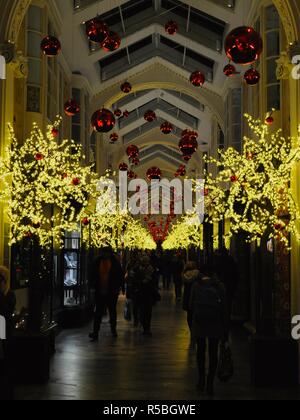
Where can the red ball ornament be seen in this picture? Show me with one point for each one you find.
(136, 161)
(71, 108)
(172, 27)
(96, 30)
(229, 70)
(123, 167)
(55, 132)
(126, 114)
(112, 42)
(85, 221)
(126, 87)
(269, 120)
(76, 182)
(132, 151)
(114, 137)
(181, 170)
(154, 173)
(118, 113)
(166, 128)
(150, 116)
(206, 192)
(252, 77)
(39, 156)
(50, 46)
(188, 146)
(243, 45)
(234, 178)
(187, 158)
(131, 175)
(103, 121)
(197, 79)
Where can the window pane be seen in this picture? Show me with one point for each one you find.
(76, 133)
(272, 18)
(34, 44)
(35, 18)
(274, 97)
(34, 74)
(271, 71)
(273, 44)
(33, 99)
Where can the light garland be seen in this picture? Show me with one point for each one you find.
(186, 233)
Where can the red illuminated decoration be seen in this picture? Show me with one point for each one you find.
(234, 178)
(112, 42)
(103, 121)
(123, 167)
(96, 30)
(55, 132)
(131, 175)
(150, 116)
(114, 137)
(39, 157)
(197, 79)
(166, 128)
(132, 151)
(269, 119)
(126, 87)
(154, 173)
(188, 147)
(252, 77)
(243, 45)
(171, 27)
(71, 108)
(229, 70)
(126, 114)
(50, 46)
(76, 182)
(136, 161)
(85, 221)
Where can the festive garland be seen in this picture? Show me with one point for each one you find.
(185, 233)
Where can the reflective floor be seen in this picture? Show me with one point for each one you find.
(136, 368)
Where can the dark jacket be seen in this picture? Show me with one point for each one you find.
(189, 277)
(177, 267)
(209, 307)
(7, 307)
(116, 275)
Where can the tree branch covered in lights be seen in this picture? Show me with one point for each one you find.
(185, 233)
(45, 185)
(252, 188)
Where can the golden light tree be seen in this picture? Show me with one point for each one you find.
(45, 185)
(251, 189)
(186, 233)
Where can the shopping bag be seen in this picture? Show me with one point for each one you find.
(226, 366)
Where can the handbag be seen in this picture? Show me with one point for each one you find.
(226, 366)
(127, 311)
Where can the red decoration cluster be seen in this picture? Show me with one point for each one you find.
(166, 128)
(123, 167)
(154, 173)
(103, 121)
(50, 46)
(150, 116)
(181, 171)
(126, 87)
(97, 31)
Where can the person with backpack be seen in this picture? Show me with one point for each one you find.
(210, 324)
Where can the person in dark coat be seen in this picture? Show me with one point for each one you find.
(108, 277)
(133, 286)
(166, 269)
(146, 294)
(190, 275)
(210, 324)
(177, 269)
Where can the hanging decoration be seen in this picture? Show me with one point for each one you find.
(114, 137)
(123, 167)
(269, 118)
(229, 70)
(166, 128)
(96, 30)
(136, 161)
(181, 171)
(243, 45)
(252, 77)
(154, 173)
(126, 87)
(118, 113)
(132, 152)
(172, 27)
(150, 116)
(71, 108)
(112, 42)
(188, 147)
(50, 46)
(126, 113)
(132, 175)
(197, 79)
(103, 121)
(55, 132)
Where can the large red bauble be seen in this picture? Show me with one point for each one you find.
(150, 116)
(188, 146)
(132, 151)
(197, 79)
(166, 128)
(50, 46)
(126, 87)
(112, 42)
(96, 30)
(114, 137)
(243, 45)
(123, 167)
(103, 120)
(172, 27)
(71, 108)
(154, 173)
(252, 77)
(229, 70)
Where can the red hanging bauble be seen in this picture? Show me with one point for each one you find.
(172, 27)
(182, 170)
(136, 161)
(166, 128)
(131, 175)
(243, 45)
(234, 178)
(114, 137)
(132, 151)
(112, 42)
(71, 108)
(75, 182)
(150, 116)
(187, 158)
(188, 146)
(126, 87)
(55, 132)
(96, 30)
(252, 77)
(197, 79)
(154, 173)
(39, 156)
(123, 167)
(118, 113)
(126, 114)
(103, 120)
(269, 119)
(85, 221)
(229, 70)
(50, 46)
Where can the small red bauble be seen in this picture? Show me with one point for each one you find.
(150, 116)
(103, 121)
(118, 113)
(132, 151)
(166, 128)
(229, 70)
(234, 178)
(55, 132)
(114, 137)
(206, 192)
(136, 161)
(269, 120)
(50, 46)
(123, 167)
(126, 114)
(85, 221)
(112, 42)
(39, 156)
(131, 175)
(172, 27)
(154, 173)
(71, 108)
(126, 87)
(243, 45)
(96, 30)
(252, 77)
(197, 79)
(76, 182)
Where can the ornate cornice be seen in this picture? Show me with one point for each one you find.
(288, 20)
(17, 15)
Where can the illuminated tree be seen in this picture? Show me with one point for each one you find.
(185, 233)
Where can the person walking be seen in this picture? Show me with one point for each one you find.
(108, 277)
(133, 286)
(146, 294)
(210, 324)
(177, 268)
(190, 275)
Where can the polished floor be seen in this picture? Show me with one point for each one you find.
(136, 368)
